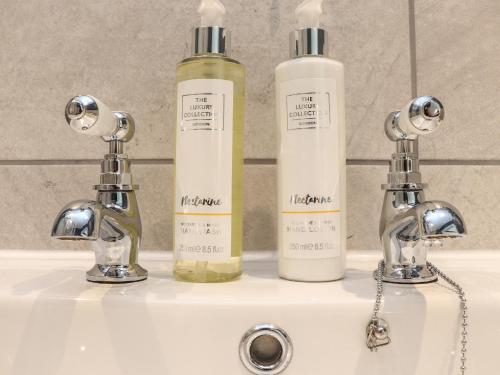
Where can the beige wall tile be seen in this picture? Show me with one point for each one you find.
(125, 52)
(472, 189)
(364, 204)
(458, 61)
(260, 204)
(377, 67)
(33, 195)
(372, 39)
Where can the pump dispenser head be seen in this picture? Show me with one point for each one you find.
(309, 39)
(210, 36)
(212, 13)
(308, 13)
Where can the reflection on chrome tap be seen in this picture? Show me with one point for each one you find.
(112, 220)
(409, 224)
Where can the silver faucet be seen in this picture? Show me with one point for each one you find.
(409, 224)
(113, 219)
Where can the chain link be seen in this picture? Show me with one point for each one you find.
(377, 331)
(372, 345)
(463, 303)
(380, 290)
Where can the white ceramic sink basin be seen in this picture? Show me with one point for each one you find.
(54, 322)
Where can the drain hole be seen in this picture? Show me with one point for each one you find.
(266, 351)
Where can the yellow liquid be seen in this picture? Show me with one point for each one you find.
(219, 67)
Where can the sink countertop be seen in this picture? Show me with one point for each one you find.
(52, 316)
(25, 272)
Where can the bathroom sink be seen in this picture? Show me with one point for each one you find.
(55, 322)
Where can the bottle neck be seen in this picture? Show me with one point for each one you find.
(311, 41)
(211, 40)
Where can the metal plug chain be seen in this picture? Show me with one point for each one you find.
(377, 331)
(463, 302)
(380, 289)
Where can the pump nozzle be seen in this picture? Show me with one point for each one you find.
(212, 13)
(308, 13)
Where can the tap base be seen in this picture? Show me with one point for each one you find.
(400, 278)
(116, 273)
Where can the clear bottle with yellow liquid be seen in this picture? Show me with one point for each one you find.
(208, 211)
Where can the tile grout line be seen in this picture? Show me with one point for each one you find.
(248, 162)
(413, 48)
(443, 162)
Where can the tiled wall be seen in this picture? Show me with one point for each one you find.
(125, 52)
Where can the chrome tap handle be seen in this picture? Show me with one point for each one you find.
(88, 115)
(421, 116)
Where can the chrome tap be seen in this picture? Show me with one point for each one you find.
(409, 224)
(113, 219)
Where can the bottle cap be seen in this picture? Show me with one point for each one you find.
(211, 39)
(211, 36)
(309, 39)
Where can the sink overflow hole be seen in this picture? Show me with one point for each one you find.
(266, 351)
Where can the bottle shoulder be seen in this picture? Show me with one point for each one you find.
(211, 67)
(310, 66)
(210, 59)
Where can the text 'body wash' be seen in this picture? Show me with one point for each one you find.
(209, 155)
(311, 170)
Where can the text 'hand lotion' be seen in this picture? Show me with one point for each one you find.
(312, 170)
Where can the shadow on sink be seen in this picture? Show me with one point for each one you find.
(405, 308)
(48, 337)
(51, 317)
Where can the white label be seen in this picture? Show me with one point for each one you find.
(203, 169)
(308, 110)
(203, 111)
(309, 169)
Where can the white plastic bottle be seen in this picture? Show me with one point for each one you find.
(312, 170)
